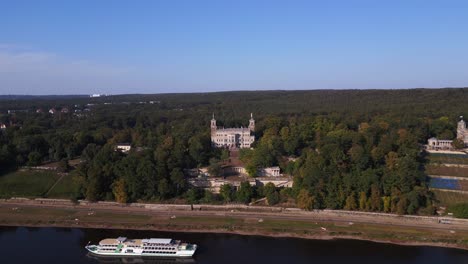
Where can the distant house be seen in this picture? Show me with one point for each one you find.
(123, 147)
(53, 111)
(64, 110)
(269, 172)
(2, 126)
(439, 144)
(39, 111)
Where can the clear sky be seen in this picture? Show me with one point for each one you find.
(83, 47)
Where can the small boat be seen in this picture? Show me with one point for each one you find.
(153, 247)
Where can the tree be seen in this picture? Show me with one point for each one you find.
(215, 167)
(63, 166)
(362, 201)
(304, 200)
(163, 188)
(350, 202)
(271, 193)
(208, 197)
(193, 195)
(89, 152)
(34, 158)
(376, 201)
(386, 203)
(402, 205)
(458, 143)
(226, 192)
(245, 192)
(120, 191)
(178, 180)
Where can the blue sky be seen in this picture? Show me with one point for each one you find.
(83, 47)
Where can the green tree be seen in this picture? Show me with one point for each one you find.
(271, 193)
(208, 197)
(163, 188)
(458, 143)
(304, 200)
(193, 195)
(215, 167)
(178, 180)
(376, 201)
(34, 158)
(226, 192)
(245, 192)
(63, 166)
(362, 201)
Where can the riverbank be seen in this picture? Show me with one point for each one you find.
(251, 233)
(307, 226)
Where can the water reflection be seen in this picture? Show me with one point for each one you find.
(135, 260)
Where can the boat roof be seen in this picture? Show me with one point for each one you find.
(137, 242)
(157, 240)
(119, 240)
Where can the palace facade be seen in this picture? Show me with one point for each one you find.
(242, 137)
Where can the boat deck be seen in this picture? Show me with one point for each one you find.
(128, 242)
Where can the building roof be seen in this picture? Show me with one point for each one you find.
(124, 144)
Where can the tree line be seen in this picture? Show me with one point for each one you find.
(355, 150)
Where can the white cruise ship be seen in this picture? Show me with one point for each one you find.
(153, 247)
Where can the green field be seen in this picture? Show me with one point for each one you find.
(26, 183)
(446, 171)
(439, 158)
(64, 188)
(449, 198)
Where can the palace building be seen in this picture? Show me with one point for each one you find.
(242, 137)
(440, 144)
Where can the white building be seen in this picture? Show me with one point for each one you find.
(123, 147)
(232, 137)
(269, 172)
(439, 144)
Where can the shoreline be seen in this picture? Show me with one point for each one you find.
(317, 225)
(245, 233)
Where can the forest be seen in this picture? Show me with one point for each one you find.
(345, 149)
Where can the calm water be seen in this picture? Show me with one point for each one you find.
(66, 245)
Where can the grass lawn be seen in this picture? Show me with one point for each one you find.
(64, 188)
(447, 158)
(26, 183)
(449, 198)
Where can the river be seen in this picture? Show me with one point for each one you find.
(66, 246)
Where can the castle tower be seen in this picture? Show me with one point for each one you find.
(462, 132)
(213, 125)
(251, 123)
